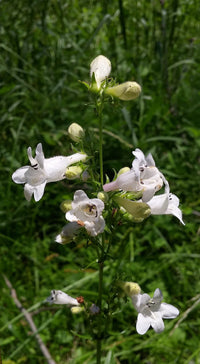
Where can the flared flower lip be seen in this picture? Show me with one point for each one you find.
(152, 311)
(87, 212)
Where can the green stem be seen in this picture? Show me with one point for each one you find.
(101, 266)
(99, 108)
(101, 148)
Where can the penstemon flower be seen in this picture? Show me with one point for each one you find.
(61, 298)
(43, 170)
(87, 212)
(101, 67)
(143, 176)
(166, 204)
(151, 312)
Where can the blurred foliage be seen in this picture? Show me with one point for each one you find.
(45, 49)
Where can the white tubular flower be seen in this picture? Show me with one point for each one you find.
(61, 298)
(68, 233)
(143, 176)
(42, 171)
(151, 312)
(87, 212)
(101, 67)
(166, 204)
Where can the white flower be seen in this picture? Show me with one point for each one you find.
(68, 233)
(101, 67)
(151, 312)
(165, 204)
(42, 171)
(61, 298)
(143, 176)
(87, 212)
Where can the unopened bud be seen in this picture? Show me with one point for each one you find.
(139, 210)
(103, 196)
(130, 288)
(76, 132)
(123, 170)
(66, 205)
(73, 172)
(101, 68)
(76, 310)
(125, 91)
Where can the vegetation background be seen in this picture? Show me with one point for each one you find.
(45, 49)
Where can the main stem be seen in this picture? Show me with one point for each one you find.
(99, 107)
(100, 143)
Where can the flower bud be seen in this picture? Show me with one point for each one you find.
(139, 210)
(66, 205)
(130, 288)
(125, 91)
(101, 67)
(76, 132)
(76, 310)
(73, 172)
(103, 196)
(123, 170)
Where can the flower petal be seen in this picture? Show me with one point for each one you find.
(143, 324)
(95, 228)
(19, 175)
(159, 204)
(101, 67)
(79, 196)
(150, 161)
(148, 194)
(40, 155)
(28, 191)
(173, 208)
(168, 311)
(157, 323)
(39, 191)
(158, 296)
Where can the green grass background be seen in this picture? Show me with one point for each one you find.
(45, 49)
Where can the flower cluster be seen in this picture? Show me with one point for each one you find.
(134, 189)
(145, 177)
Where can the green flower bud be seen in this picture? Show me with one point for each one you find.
(125, 91)
(123, 170)
(139, 210)
(66, 205)
(73, 172)
(76, 132)
(77, 309)
(103, 196)
(130, 288)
